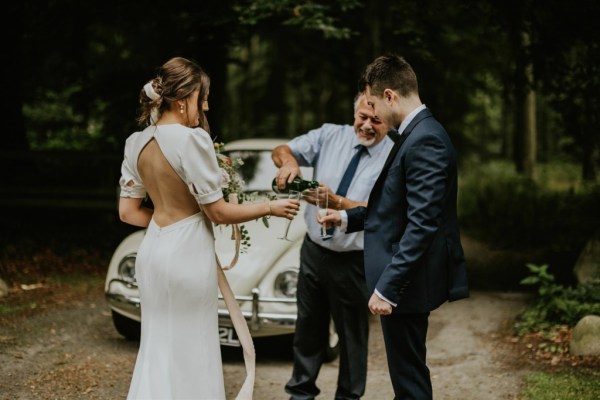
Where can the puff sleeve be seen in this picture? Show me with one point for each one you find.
(130, 182)
(200, 169)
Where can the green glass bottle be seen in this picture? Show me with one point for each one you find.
(298, 184)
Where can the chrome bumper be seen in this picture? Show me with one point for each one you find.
(124, 297)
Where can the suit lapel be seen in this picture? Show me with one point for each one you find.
(399, 141)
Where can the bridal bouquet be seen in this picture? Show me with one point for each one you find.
(231, 180)
(231, 185)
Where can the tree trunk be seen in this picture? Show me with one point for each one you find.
(508, 123)
(525, 144)
(529, 126)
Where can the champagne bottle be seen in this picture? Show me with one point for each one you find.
(298, 184)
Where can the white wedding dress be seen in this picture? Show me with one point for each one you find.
(179, 355)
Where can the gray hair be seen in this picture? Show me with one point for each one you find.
(357, 100)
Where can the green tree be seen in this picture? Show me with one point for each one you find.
(567, 48)
(283, 67)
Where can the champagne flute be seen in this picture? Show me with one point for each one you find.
(322, 205)
(295, 195)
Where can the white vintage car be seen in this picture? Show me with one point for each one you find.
(264, 278)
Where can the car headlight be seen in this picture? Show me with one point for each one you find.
(286, 284)
(127, 268)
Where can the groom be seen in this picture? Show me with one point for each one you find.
(414, 260)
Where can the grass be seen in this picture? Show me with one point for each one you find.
(562, 386)
(78, 281)
(55, 290)
(11, 310)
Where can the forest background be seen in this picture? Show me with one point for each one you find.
(515, 83)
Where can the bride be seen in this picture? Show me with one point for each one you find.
(173, 161)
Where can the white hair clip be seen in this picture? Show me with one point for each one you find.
(154, 116)
(150, 92)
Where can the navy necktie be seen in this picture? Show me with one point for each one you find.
(348, 175)
(350, 171)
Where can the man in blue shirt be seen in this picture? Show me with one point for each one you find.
(331, 281)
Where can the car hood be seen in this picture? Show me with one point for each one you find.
(263, 253)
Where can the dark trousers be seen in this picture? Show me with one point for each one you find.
(330, 285)
(404, 336)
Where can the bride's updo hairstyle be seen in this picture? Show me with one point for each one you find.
(176, 80)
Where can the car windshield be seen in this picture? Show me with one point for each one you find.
(259, 170)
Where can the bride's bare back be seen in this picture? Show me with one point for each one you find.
(170, 195)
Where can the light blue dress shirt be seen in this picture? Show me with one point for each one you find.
(328, 150)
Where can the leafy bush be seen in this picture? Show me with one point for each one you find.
(511, 211)
(556, 304)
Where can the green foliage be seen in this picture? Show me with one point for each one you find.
(55, 123)
(555, 211)
(485, 118)
(244, 238)
(308, 15)
(563, 386)
(556, 304)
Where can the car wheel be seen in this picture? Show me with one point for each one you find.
(333, 345)
(127, 327)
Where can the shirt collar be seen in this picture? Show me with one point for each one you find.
(409, 118)
(371, 150)
(377, 148)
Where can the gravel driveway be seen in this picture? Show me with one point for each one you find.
(74, 353)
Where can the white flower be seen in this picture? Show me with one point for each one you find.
(225, 179)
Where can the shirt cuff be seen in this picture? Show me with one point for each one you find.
(384, 299)
(344, 221)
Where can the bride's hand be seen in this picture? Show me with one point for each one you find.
(286, 208)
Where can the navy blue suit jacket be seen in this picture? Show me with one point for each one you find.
(413, 254)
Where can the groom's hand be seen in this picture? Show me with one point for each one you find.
(332, 218)
(378, 306)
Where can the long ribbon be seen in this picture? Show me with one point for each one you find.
(237, 318)
(243, 333)
(237, 236)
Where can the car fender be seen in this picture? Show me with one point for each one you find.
(129, 245)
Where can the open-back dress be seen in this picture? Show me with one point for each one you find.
(179, 355)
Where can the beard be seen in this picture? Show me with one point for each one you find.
(367, 142)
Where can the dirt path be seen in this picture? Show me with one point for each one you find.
(75, 353)
(464, 361)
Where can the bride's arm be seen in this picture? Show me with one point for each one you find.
(132, 212)
(222, 212)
